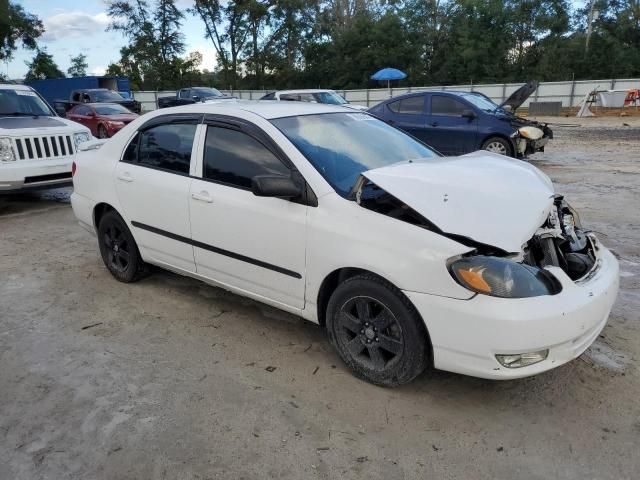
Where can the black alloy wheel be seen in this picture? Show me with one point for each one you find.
(119, 249)
(377, 331)
(370, 332)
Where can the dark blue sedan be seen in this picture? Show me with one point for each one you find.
(455, 123)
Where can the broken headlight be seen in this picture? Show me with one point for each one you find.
(532, 133)
(500, 277)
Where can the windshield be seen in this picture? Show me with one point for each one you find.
(206, 92)
(106, 96)
(22, 102)
(111, 109)
(343, 145)
(331, 98)
(481, 102)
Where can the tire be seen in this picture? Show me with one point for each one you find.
(377, 331)
(119, 250)
(102, 132)
(498, 145)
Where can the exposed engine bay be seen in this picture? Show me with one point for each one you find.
(561, 242)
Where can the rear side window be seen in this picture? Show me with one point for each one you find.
(410, 106)
(234, 158)
(447, 106)
(269, 96)
(166, 147)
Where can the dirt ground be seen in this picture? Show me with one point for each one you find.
(173, 379)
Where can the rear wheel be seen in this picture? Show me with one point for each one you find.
(102, 132)
(498, 145)
(377, 331)
(119, 250)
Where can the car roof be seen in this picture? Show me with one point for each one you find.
(306, 90)
(263, 108)
(457, 93)
(99, 104)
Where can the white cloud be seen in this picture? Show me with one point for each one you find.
(74, 24)
(99, 70)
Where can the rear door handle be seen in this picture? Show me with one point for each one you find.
(125, 177)
(391, 122)
(202, 197)
(434, 124)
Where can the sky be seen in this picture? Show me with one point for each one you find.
(78, 26)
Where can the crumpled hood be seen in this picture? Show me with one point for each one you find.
(484, 196)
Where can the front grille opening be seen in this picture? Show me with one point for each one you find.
(47, 178)
(29, 149)
(20, 149)
(36, 142)
(54, 145)
(69, 145)
(45, 144)
(62, 149)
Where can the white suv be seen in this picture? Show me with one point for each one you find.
(469, 264)
(37, 147)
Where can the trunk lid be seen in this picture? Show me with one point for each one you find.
(484, 196)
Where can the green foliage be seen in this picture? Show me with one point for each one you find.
(43, 67)
(17, 27)
(78, 66)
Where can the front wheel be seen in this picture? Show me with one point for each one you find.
(377, 331)
(102, 132)
(498, 145)
(119, 250)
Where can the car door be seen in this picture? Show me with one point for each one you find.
(254, 244)
(80, 114)
(408, 114)
(447, 129)
(153, 182)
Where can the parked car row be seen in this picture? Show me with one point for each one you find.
(470, 264)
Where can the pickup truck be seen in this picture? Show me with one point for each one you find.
(94, 95)
(191, 95)
(37, 147)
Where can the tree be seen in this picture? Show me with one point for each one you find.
(155, 40)
(43, 67)
(17, 27)
(78, 66)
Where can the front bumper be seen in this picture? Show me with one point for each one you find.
(33, 174)
(467, 334)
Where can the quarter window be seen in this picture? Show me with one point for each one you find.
(234, 158)
(447, 106)
(410, 105)
(167, 147)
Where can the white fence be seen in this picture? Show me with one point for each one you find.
(570, 93)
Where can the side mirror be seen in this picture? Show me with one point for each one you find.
(91, 114)
(279, 186)
(60, 110)
(196, 98)
(470, 114)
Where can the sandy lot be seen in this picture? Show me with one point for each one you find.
(169, 378)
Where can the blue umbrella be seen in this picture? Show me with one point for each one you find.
(389, 74)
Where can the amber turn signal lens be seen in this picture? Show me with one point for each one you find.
(475, 280)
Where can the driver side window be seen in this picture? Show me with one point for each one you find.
(232, 157)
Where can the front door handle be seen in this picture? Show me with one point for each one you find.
(125, 177)
(391, 122)
(434, 124)
(202, 197)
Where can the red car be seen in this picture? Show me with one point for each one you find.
(103, 119)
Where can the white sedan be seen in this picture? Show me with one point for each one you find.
(328, 97)
(468, 264)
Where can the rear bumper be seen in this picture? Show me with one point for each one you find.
(29, 175)
(467, 334)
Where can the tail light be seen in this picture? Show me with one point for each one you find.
(73, 169)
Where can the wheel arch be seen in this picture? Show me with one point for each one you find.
(98, 212)
(336, 277)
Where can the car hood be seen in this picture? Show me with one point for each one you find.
(483, 196)
(517, 98)
(20, 126)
